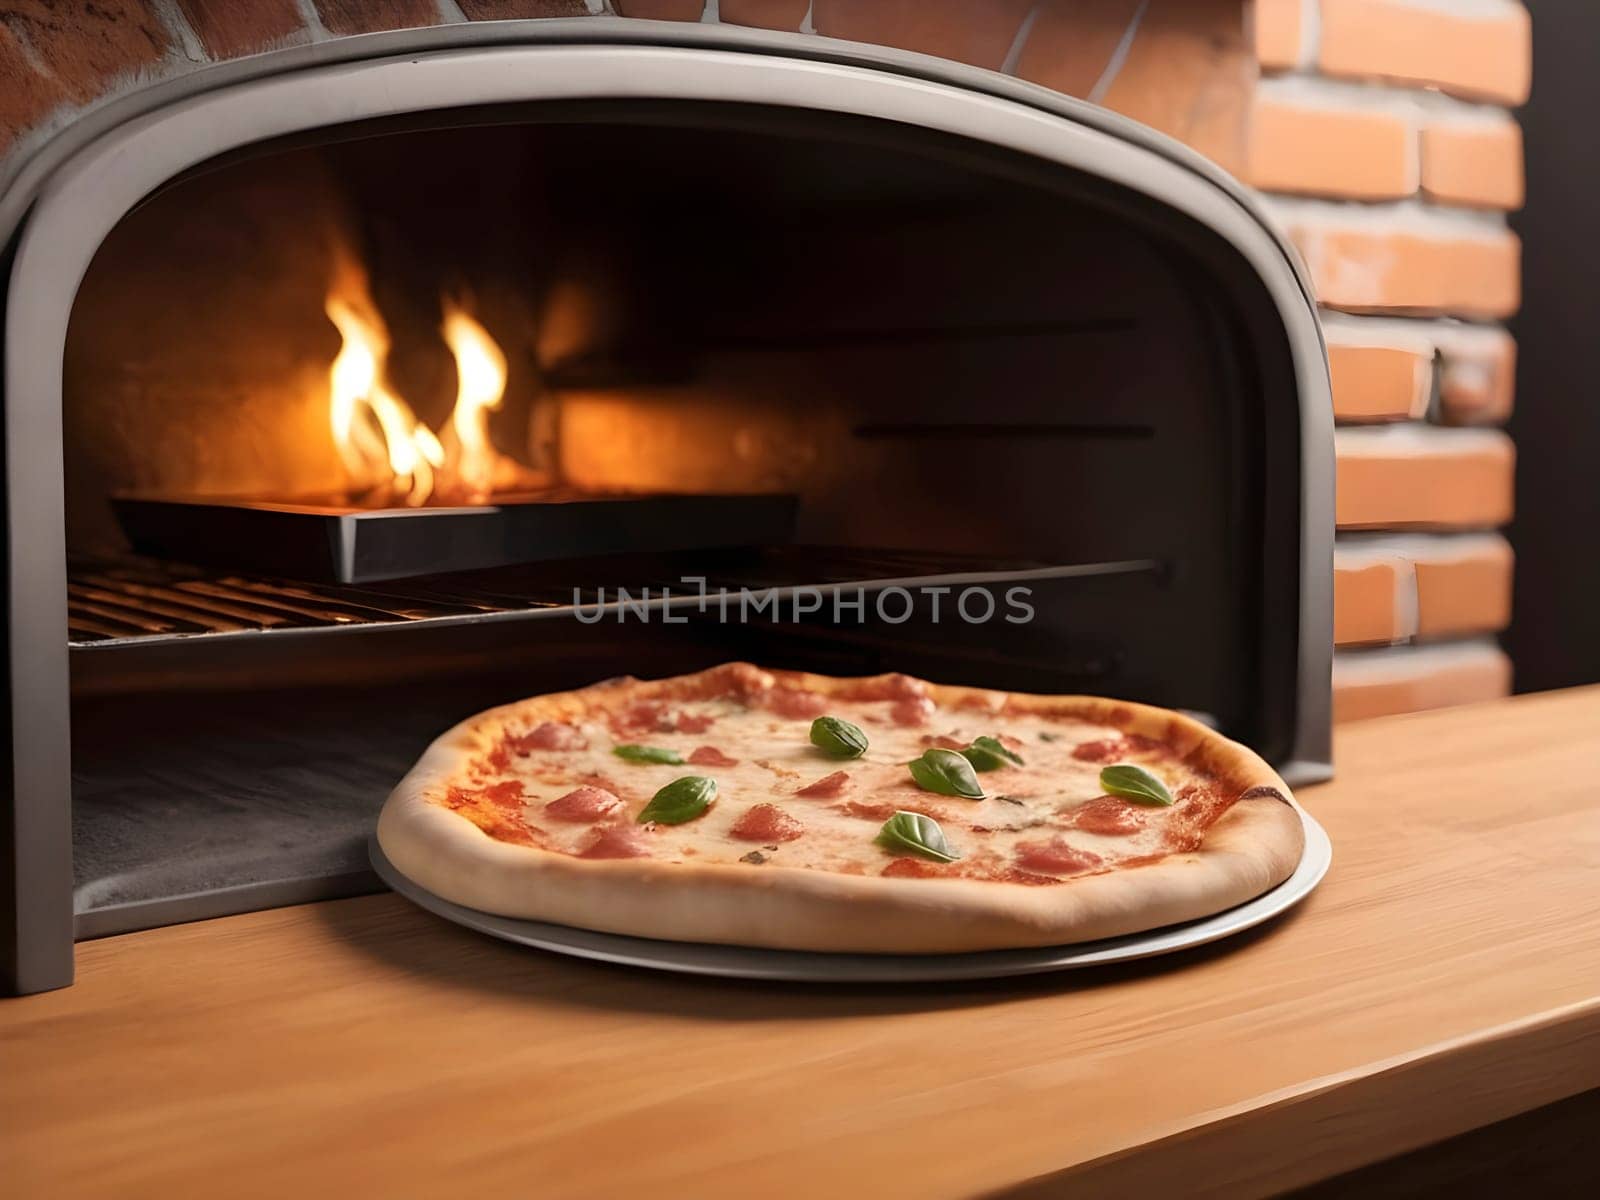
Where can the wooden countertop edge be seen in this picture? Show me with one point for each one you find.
(1276, 1143)
(1443, 979)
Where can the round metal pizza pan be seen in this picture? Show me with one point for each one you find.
(794, 966)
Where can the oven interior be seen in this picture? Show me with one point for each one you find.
(955, 368)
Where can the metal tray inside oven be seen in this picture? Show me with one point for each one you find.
(349, 545)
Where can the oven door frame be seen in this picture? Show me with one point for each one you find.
(65, 199)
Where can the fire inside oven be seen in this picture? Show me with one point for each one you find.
(366, 435)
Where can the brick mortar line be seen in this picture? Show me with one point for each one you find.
(1019, 40)
(1119, 56)
(1362, 547)
(1423, 435)
(1467, 10)
(1423, 207)
(1445, 650)
(1439, 323)
(1310, 34)
(1323, 93)
(312, 20)
(180, 31)
(1411, 214)
(1423, 428)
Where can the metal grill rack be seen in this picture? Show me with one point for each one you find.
(120, 602)
(237, 733)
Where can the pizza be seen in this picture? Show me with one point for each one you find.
(805, 812)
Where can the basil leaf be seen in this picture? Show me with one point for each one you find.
(1134, 783)
(990, 754)
(946, 772)
(995, 746)
(915, 833)
(681, 800)
(838, 739)
(649, 754)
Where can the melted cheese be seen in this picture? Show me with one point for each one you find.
(1027, 807)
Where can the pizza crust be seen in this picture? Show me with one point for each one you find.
(1253, 847)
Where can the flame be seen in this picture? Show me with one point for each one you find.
(481, 385)
(387, 452)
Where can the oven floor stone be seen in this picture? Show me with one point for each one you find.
(185, 811)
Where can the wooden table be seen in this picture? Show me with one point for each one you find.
(1446, 975)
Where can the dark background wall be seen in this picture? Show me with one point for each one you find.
(1554, 638)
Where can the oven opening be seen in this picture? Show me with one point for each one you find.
(369, 434)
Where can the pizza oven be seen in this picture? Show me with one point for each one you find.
(347, 393)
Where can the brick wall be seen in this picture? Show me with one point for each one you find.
(1381, 134)
(1379, 131)
(1183, 66)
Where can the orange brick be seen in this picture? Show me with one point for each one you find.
(368, 16)
(1359, 153)
(960, 30)
(661, 10)
(53, 54)
(231, 30)
(1191, 74)
(765, 14)
(1477, 374)
(1473, 162)
(1378, 383)
(1464, 590)
(1370, 264)
(1278, 33)
(1188, 71)
(1423, 478)
(1368, 600)
(1069, 46)
(506, 10)
(1482, 49)
(1375, 683)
